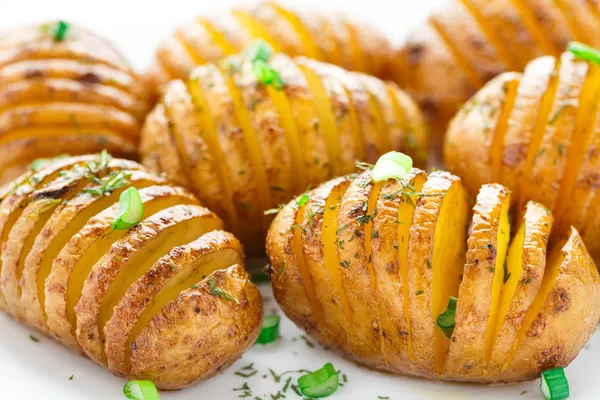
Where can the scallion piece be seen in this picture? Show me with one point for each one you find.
(131, 210)
(392, 165)
(270, 330)
(320, 383)
(60, 31)
(140, 390)
(266, 74)
(258, 50)
(554, 384)
(584, 52)
(447, 319)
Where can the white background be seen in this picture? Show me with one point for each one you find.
(40, 370)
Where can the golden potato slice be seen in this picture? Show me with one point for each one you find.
(370, 49)
(225, 32)
(319, 249)
(62, 225)
(525, 268)
(128, 259)
(478, 130)
(550, 160)
(581, 20)
(161, 353)
(173, 273)
(391, 226)
(562, 317)
(436, 256)
(287, 268)
(546, 24)
(198, 159)
(482, 282)
(71, 267)
(338, 37)
(355, 231)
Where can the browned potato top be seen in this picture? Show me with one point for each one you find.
(137, 300)
(369, 270)
(244, 146)
(295, 32)
(538, 134)
(64, 89)
(465, 43)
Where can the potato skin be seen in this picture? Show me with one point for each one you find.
(244, 147)
(77, 95)
(565, 319)
(367, 43)
(482, 39)
(549, 152)
(39, 213)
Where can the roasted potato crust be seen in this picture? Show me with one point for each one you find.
(65, 271)
(276, 141)
(517, 314)
(548, 145)
(78, 90)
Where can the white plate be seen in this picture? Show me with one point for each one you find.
(32, 370)
(41, 370)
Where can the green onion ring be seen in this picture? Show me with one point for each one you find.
(140, 390)
(321, 383)
(392, 165)
(131, 210)
(270, 330)
(584, 52)
(554, 384)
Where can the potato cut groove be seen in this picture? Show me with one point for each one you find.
(310, 47)
(530, 20)
(256, 29)
(218, 37)
(192, 54)
(501, 127)
(138, 255)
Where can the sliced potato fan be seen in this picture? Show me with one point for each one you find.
(247, 134)
(538, 137)
(73, 86)
(70, 271)
(394, 276)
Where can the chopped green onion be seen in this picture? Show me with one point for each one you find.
(258, 50)
(39, 163)
(140, 390)
(60, 31)
(131, 210)
(302, 200)
(584, 52)
(392, 165)
(266, 74)
(554, 385)
(270, 330)
(447, 319)
(320, 383)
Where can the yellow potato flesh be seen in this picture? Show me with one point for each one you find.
(405, 217)
(514, 267)
(189, 275)
(534, 27)
(446, 267)
(303, 270)
(498, 279)
(309, 45)
(193, 54)
(282, 105)
(383, 139)
(174, 236)
(255, 29)
(218, 37)
(211, 138)
(74, 226)
(578, 149)
(550, 274)
(329, 241)
(497, 148)
(98, 249)
(357, 132)
(252, 143)
(327, 120)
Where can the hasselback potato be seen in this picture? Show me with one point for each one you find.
(465, 43)
(538, 134)
(64, 90)
(244, 146)
(331, 38)
(369, 269)
(167, 299)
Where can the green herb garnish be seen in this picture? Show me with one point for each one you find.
(216, 291)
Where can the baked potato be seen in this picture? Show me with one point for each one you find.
(332, 38)
(538, 134)
(166, 300)
(64, 90)
(369, 269)
(464, 44)
(244, 147)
